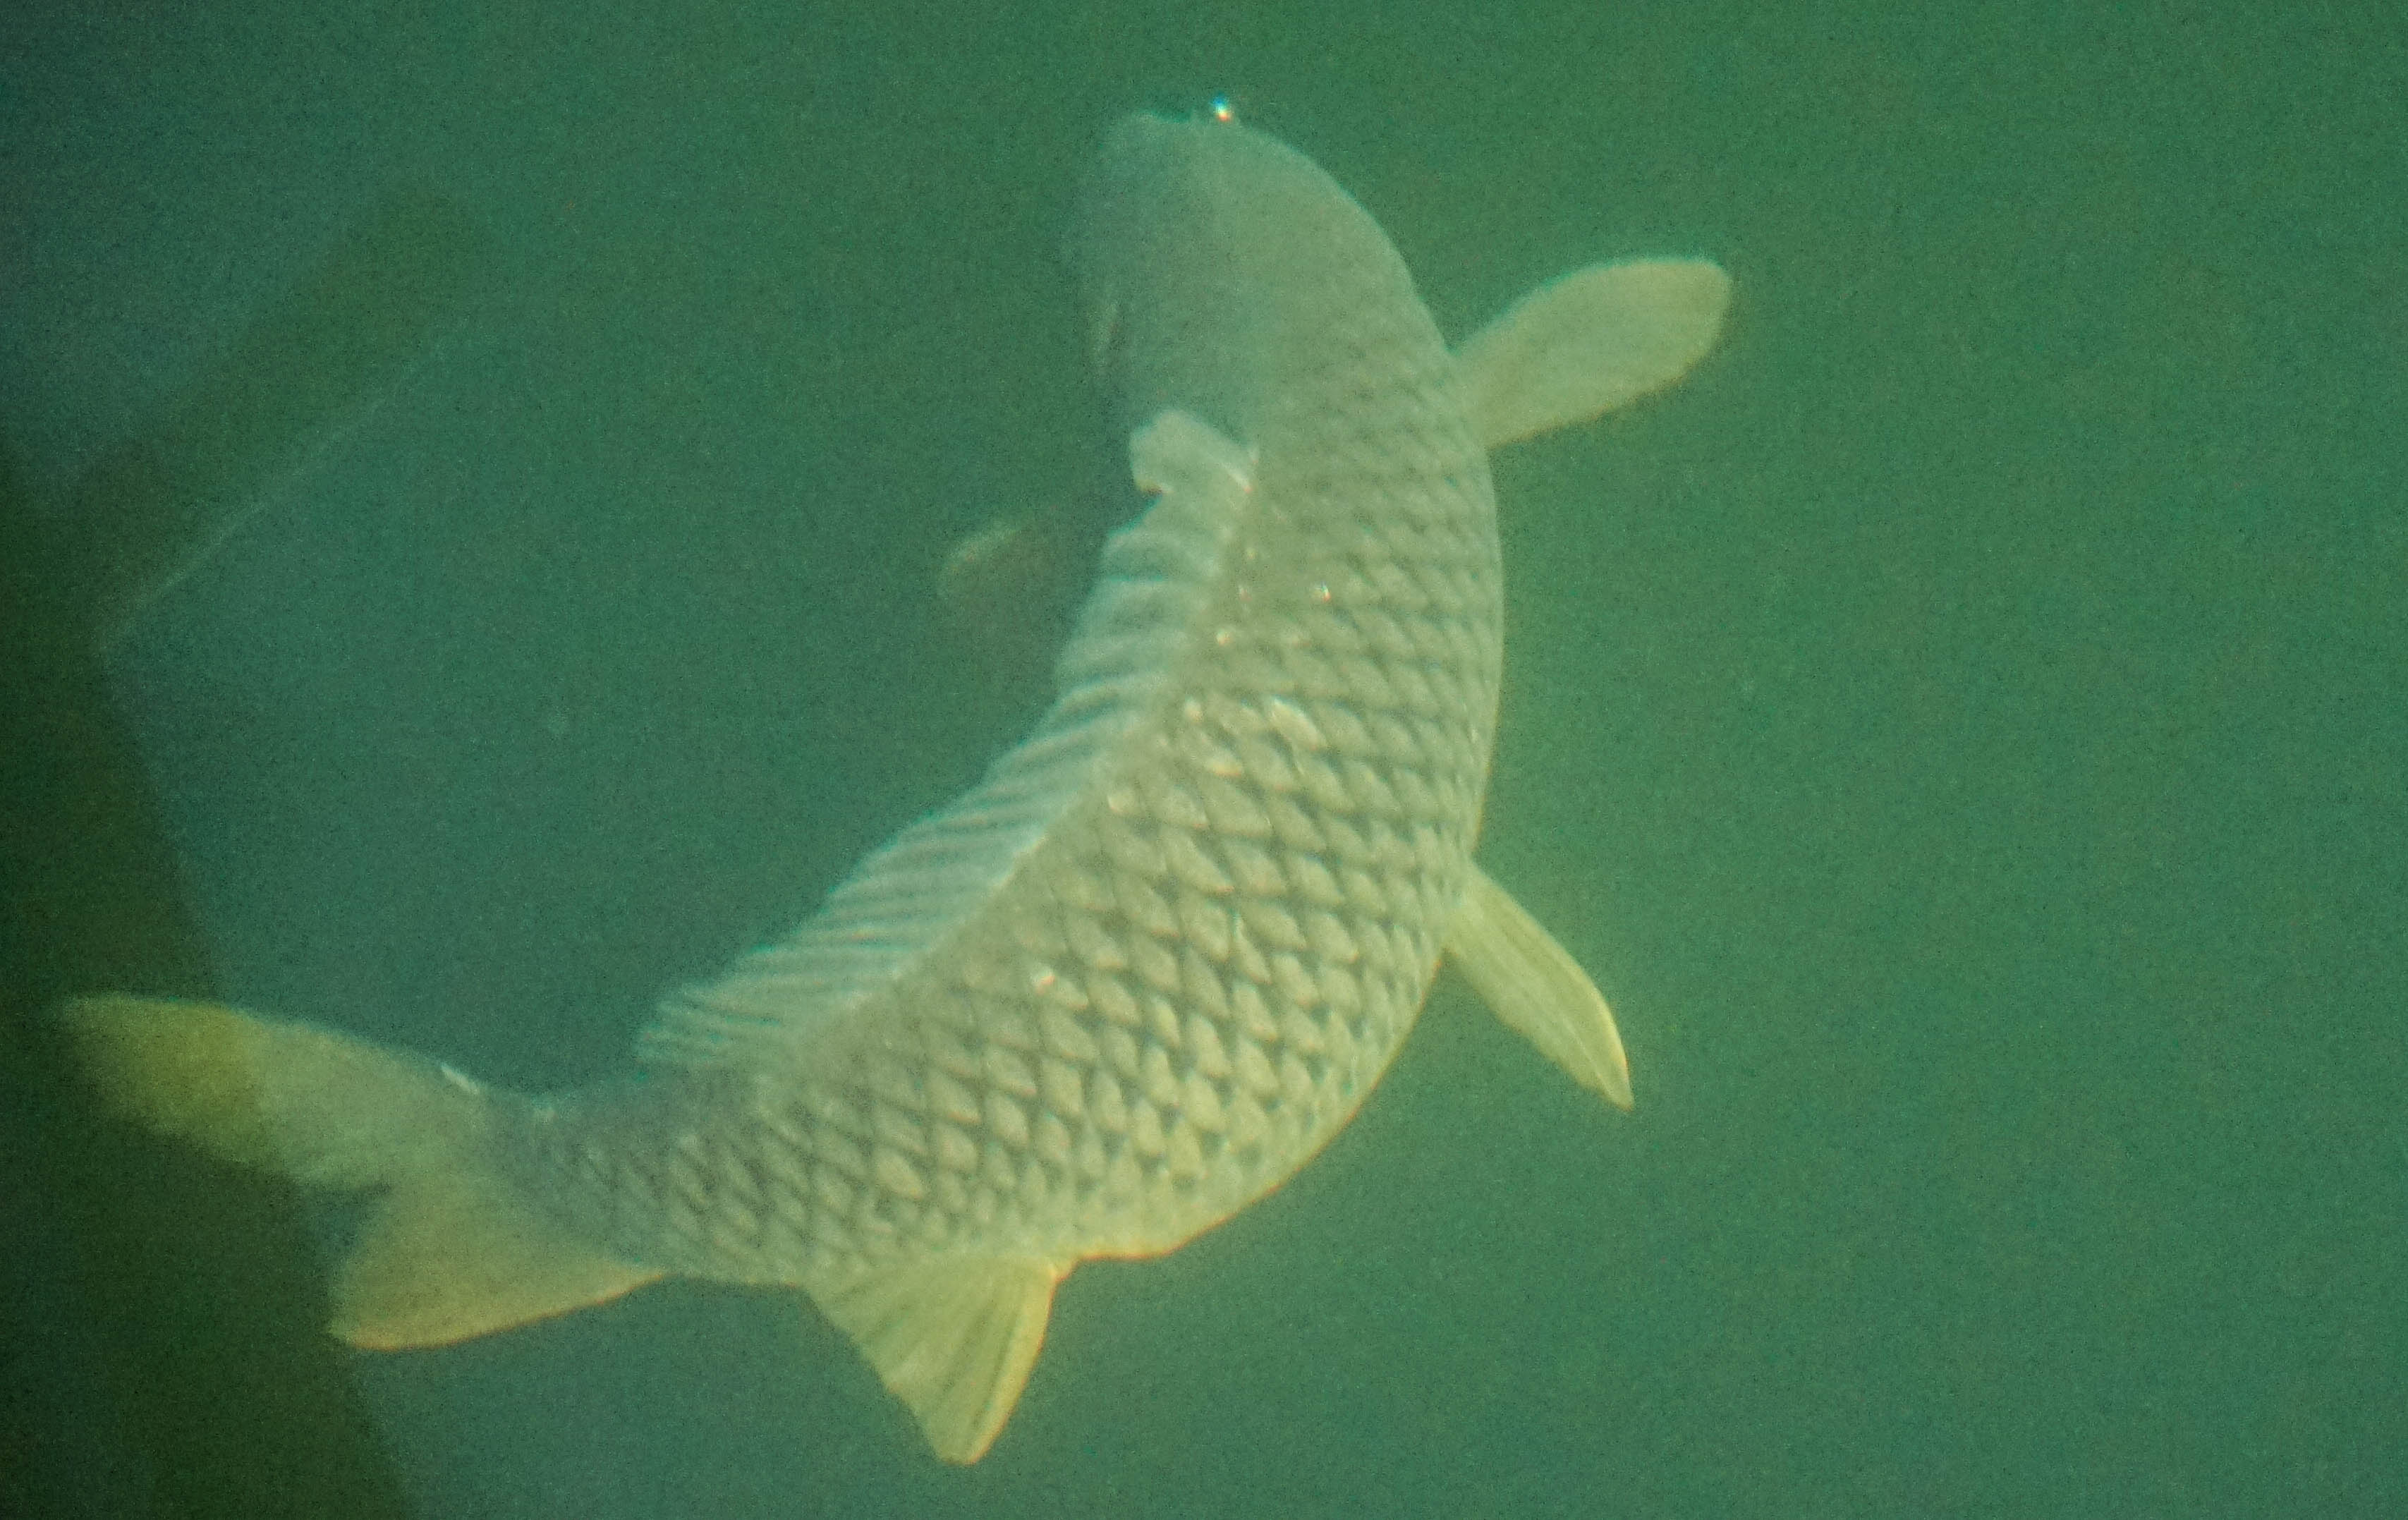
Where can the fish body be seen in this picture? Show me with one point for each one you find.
(1127, 985)
(1139, 974)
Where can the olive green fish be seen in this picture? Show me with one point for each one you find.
(1142, 972)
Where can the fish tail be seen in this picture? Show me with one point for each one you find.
(449, 1247)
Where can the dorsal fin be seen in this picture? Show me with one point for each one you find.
(1158, 574)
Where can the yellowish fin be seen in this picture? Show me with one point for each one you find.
(1590, 341)
(953, 1337)
(1535, 986)
(450, 1248)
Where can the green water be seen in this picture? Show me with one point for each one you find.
(1960, 728)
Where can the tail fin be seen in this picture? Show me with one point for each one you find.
(450, 1250)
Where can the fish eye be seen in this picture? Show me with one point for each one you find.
(1222, 111)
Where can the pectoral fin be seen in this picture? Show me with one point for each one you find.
(1531, 983)
(1591, 341)
(953, 1339)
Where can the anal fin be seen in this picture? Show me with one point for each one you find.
(1531, 983)
(954, 1338)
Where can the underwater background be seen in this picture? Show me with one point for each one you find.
(1961, 729)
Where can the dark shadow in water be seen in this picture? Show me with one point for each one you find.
(163, 1317)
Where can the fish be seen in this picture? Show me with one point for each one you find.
(1141, 971)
